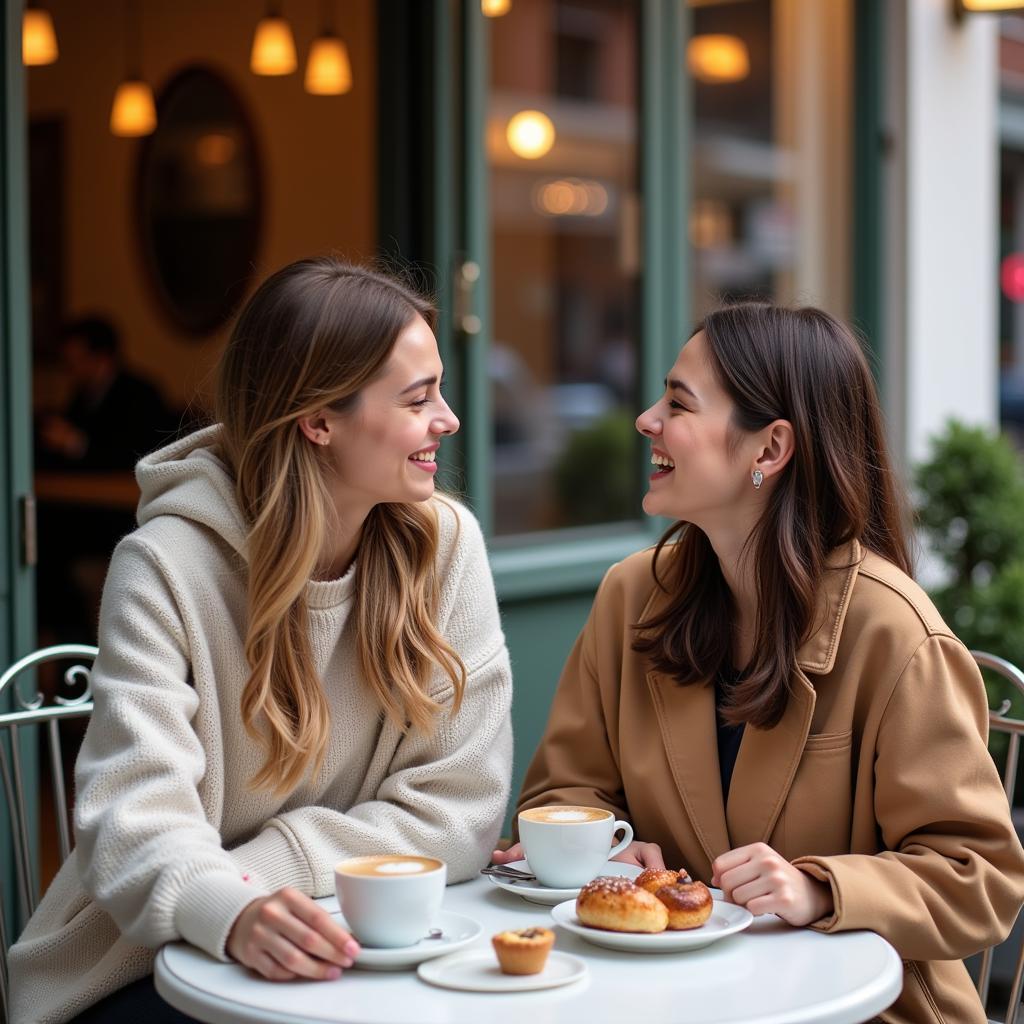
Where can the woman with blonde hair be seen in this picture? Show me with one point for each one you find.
(767, 695)
(300, 660)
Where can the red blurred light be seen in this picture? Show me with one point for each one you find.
(1011, 277)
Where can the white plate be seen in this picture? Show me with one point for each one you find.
(457, 931)
(726, 919)
(537, 893)
(477, 970)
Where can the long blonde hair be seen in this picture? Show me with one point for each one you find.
(312, 337)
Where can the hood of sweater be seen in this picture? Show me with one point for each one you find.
(188, 479)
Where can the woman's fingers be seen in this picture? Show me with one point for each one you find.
(314, 930)
(756, 887)
(514, 852)
(644, 855)
(293, 959)
(268, 967)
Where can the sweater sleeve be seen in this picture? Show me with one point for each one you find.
(147, 853)
(444, 794)
(951, 879)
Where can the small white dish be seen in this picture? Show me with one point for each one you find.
(477, 970)
(456, 931)
(537, 893)
(726, 919)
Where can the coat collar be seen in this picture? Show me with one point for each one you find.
(768, 758)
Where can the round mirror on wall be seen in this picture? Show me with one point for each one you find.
(200, 200)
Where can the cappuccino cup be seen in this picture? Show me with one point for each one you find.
(567, 846)
(390, 901)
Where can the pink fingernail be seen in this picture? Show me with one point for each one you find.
(334, 973)
(352, 948)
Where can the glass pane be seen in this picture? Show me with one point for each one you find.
(770, 214)
(562, 126)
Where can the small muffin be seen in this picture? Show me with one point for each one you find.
(524, 951)
(689, 905)
(617, 905)
(652, 879)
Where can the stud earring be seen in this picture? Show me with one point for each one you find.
(758, 477)
(325, 440)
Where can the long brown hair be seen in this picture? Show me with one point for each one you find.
(312, 336)
(804, 366)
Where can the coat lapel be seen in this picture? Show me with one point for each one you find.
(768, 758)
(686, 715)
(766, 765)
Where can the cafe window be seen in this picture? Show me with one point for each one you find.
(768, 124)
(770, 210)
(563, 161)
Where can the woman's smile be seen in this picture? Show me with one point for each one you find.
(424, 458)
(663, 462)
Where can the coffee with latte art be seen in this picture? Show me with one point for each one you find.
(565, 815)
(389, 867)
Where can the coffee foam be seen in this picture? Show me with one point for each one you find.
(400, 867)
(565, 815)
(389, 866)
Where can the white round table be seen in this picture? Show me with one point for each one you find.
(769, 974)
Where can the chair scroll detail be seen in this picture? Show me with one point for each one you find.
(999, 721)
(33, 711)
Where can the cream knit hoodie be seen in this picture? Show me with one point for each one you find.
(171, 841)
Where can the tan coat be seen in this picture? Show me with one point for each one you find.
(876, 780)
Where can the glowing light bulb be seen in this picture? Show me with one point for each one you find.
(717, 59)
(134, 112)
(328, 70)
(38, 38)
(530, 134)
(273, 48)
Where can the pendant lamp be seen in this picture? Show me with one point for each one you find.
(328, 70)
(133, 113)
(273, 46)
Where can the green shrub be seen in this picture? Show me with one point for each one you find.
(970, 507)
(596, 476)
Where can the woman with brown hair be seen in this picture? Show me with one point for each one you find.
(300, 660)
(767, 695)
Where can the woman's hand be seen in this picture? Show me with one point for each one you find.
(287, 935)
(645, 855)
(514, 852)
(758, 878)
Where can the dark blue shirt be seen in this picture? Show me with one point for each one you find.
(729, 736)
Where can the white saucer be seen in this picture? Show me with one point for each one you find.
(477, 970)
(537, 893)
(457, 931)
(726, 919)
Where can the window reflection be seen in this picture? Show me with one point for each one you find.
(563, 159)
(770, 210)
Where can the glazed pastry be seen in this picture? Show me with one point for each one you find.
(689, 904)
(617, 905)
(652, 879)
(524, 951)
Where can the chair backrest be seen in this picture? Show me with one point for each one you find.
(34, 712)
(1012, 727)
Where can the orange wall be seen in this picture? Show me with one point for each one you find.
(318, 156)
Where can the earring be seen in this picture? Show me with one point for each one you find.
(758, 477)
(325, 440)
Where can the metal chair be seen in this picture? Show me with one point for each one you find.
(1013, 728)
(33, 712)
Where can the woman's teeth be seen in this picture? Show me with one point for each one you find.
(423, 456)
(661, 460)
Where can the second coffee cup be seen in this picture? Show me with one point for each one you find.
(567, 846)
